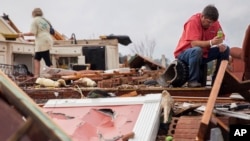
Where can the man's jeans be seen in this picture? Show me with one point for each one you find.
(193, 57)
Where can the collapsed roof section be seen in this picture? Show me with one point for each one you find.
(138, 61)
(8, 29)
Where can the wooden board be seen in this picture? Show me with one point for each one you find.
(211, 101)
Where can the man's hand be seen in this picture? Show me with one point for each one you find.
(217, 40)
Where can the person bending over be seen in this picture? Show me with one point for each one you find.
(200, 44)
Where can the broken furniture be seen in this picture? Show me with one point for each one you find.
(237, 78)
(241, 58)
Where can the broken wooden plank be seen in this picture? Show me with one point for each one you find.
(211, 101)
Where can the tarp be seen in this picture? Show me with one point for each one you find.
(122, 39)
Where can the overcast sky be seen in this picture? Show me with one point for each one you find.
(158, 20)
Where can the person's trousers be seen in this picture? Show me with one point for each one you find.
(193, 57)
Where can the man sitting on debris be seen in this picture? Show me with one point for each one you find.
(200, 44)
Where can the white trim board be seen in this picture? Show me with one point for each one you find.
(148, 121)
(150, 98)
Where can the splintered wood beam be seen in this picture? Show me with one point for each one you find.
(211, 101)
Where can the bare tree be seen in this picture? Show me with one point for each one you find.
(144, 48)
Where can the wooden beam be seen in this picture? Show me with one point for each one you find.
(211, 101)
(28, 107)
